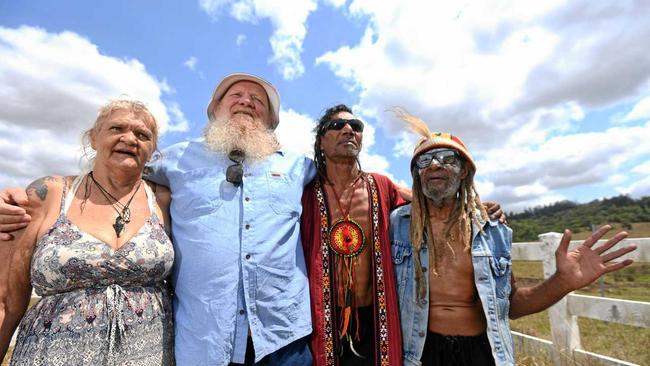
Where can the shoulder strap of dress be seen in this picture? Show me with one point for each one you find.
(68, 196)
(151, 197)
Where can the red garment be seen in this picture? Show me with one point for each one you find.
(384, 197)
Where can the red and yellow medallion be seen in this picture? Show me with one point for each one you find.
(346, 237)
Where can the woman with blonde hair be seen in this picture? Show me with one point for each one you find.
(98, 254)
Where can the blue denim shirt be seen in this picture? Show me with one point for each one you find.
(239, 263)
(492, 276)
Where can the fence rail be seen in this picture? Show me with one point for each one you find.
(565, 347)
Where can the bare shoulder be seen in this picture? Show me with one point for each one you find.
(162, 193)
(44, 190)
(163, 200)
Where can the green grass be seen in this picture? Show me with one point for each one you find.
(615, 340)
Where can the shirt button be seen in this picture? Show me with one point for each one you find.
(247, 226)
(241, 311)
(248, 256)
(247, 199)
(423, 302)
(424, 269)
(421, 334)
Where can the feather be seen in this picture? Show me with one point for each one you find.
(415, 124)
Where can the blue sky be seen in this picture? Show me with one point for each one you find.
(552, 98)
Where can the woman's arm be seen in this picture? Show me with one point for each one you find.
(15, 259)
(163, 199)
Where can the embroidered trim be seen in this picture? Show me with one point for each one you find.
(380, 294)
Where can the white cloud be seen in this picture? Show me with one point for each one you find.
(643, 168)
(639, 188)
(190, 63)
(295, 132)
(640, 111)
(515, 80)
(49, 98)
(241, 38)
(288, 19)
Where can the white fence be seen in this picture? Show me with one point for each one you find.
(565, 348)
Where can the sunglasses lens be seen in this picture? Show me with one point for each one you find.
(423, 161)
(443, 157)
(337, 124)
(357, 126)
(234, 174)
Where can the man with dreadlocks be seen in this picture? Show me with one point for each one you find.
(453, 265)
(345, 238)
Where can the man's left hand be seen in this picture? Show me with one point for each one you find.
(585, 264)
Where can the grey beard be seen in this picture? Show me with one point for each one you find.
(253, 138)
(440, 197)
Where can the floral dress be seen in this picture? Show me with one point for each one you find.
(99, 306)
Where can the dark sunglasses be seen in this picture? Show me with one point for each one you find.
(235, 172)
(442, 157)
(337, 124)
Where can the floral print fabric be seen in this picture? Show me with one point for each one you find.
(99, 306)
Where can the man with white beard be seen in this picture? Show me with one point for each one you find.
(240, 286)
(241, 290)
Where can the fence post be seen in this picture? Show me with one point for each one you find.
(564, 327)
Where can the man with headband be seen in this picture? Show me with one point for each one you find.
(453, 265)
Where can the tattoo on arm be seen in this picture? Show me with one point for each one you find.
(39, 187)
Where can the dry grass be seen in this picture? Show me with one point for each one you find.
(615, 340)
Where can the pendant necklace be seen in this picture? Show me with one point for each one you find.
(346, 236)
(123, 211)
(347, 240)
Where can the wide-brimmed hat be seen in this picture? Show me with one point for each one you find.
(228, 81)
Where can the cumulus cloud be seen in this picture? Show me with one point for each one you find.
(190, 63)
(288, 19)
(640, 111)
(516, 81)
(49, 98)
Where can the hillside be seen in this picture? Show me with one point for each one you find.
(622, 212)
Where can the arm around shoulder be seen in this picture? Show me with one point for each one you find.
(15, 258)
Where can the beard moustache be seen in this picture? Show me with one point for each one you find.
(224, 135)
(439, 197)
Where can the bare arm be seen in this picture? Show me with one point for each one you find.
(164, 199)
(15, 259)
(12, 215)
(575, 269)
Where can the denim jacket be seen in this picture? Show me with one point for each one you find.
(492, 276)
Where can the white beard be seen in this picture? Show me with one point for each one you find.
(241, 133)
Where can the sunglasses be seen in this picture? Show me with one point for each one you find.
(442, 157)
(235, 172)
(337, 124)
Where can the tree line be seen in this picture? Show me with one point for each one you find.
(527, 225)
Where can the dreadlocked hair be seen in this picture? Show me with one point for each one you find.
(467, 207)
(320, 130)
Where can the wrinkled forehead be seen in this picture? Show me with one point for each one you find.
(142, 116)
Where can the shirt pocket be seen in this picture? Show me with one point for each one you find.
(401, 253)
(284, 195)
(501, 266)
(198, 194)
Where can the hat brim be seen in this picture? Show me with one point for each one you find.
(228, 81)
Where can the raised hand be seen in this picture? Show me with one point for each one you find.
(585, 264)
